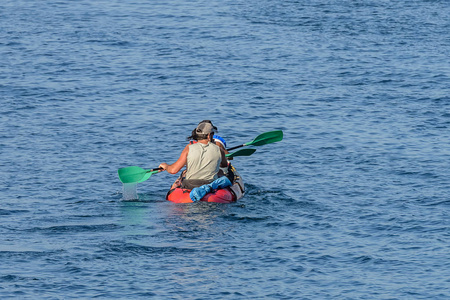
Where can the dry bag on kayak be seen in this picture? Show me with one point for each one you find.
(199, 192)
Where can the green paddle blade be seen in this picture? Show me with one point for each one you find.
(135, 174)
(242, 152)
(131, 174)
(147, 175)
(266, 138)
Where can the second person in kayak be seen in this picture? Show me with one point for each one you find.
(203, 158)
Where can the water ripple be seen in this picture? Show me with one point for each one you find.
(351, 203)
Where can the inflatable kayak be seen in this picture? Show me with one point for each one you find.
(226, 195)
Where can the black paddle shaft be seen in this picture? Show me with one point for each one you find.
(232, 148)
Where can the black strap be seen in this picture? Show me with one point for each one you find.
(193, 183)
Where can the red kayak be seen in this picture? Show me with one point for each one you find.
(225, 195)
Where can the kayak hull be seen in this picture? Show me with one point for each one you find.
(227, 195)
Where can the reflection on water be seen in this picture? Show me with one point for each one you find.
(198, 217)
(133, 213)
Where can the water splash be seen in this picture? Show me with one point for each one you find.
(130, 191)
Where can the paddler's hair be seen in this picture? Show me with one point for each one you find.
(195, 136)
(203, 129)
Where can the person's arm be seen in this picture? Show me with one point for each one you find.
(222, 148)
(224, 162)
(179, 164)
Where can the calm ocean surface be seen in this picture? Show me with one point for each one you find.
(354, 203)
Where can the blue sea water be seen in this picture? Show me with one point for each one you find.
(353, 203)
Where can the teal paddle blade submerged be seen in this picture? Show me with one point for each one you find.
(135, 174)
